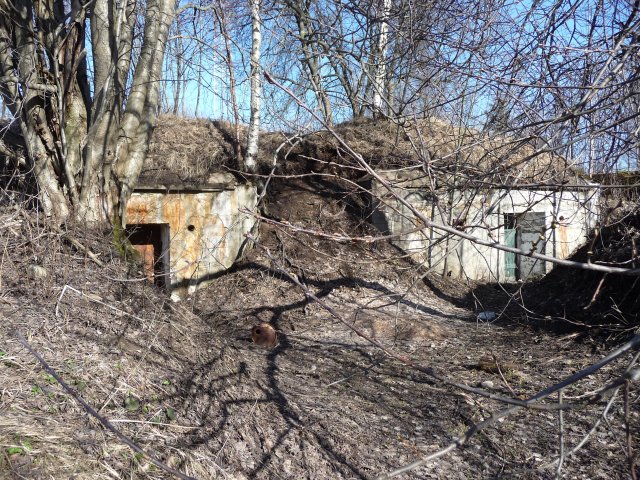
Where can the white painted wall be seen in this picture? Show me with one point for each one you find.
(571, 213)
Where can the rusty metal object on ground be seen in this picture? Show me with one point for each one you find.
(264, 335)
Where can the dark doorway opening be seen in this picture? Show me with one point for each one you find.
(151, 240)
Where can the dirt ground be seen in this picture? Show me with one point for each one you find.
(185, 383)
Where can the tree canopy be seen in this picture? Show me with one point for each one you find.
(84, 81)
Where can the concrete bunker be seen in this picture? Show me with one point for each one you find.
(547, 220)
(188, 216)
(187, 233)
(493, 188)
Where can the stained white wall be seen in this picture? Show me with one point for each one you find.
(569, 217)
(206, 229)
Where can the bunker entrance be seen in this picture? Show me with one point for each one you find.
(151, 240)
(524, 231)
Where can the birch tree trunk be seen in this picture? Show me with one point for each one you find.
(380, 69)
(253, 134)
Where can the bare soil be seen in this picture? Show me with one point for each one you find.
(185, 382)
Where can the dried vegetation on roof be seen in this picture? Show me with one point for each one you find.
(186, 150)
(447, 150)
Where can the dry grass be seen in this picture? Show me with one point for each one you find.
(184, 150)
(323, 404)
(188, 150)
(109, 355)
(446, 149)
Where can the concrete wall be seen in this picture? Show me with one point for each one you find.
(206, 228)
(482, 214)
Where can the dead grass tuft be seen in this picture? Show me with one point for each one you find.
(184, 150)
(188, 150)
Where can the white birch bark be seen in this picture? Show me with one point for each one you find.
(253, 134)
(380, 68)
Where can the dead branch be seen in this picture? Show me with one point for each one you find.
(76, 243)
(596, 293)
(628, 437)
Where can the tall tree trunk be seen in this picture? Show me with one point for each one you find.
(177, 89)
(196, 112)
(86, 153)
(112, 34)
(222, 20)
(310, 56)
(380, 69)
(256, 87)
(35, 105)
(142, 105)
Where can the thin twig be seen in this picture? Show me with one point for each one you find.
(601, 418)
(560, 437)
(92, 299)
(627, 427)
(76, 243)
(586, 437)
(155, 424)
(495, 360)
(596, 293)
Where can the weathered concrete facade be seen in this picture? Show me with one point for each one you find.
(194, 231)
(551, 221)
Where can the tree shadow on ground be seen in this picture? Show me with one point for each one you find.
(323, 288)
(320, 399)
(534, 304)
(270, 412)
